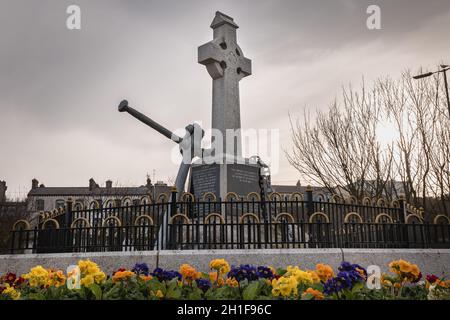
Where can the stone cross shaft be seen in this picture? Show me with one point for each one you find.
(226, 64)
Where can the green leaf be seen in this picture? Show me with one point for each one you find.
(281, 271)
(96, 290)
(36, 296)
(173, 290)
(251, 291)
(196, 294)
(358, 287)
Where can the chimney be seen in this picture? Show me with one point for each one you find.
(108, 184)
(3, 188)
(92, 184)
(149, 184)
(34, 184)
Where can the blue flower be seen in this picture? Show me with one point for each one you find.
(349, 275)
(332, 286)
(243, 272)
(141, 269)
(203, 284)
(163, 275)
(264, 272)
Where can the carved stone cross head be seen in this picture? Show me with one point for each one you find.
(222, 56)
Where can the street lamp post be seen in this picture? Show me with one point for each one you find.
(444, 69)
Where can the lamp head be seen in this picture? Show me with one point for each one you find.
(425, 75)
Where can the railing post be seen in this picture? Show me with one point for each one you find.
(309, 201)
(68, 219)
(173, 202)
(13, 233)
(172, 234)
(403, 212)
(403, 215)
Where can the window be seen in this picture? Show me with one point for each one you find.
(60, 203)
(40, 205)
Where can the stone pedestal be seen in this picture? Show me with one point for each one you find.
(223, 178)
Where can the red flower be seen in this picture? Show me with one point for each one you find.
(19, 281)
(431, 278)
(9, 278)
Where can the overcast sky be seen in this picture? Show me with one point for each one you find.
(59, 89)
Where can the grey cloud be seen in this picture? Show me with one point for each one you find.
(59, 89)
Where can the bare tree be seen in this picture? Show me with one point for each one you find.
(340, 149)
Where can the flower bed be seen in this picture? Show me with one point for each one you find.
(88, 282)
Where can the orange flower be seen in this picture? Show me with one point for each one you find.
(122, 275)
(316, 294)
(213, 279)
(324, 271)
(232, 282)
(146, 278)
(406, 270)
(189, 273)
(441, 283)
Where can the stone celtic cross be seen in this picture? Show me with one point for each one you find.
(227, 65)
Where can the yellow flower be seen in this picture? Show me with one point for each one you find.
(232, 282)
(324, 271)
(122, 275)
(220, 265)
(92, 271)
(56, 278)
(87, 280)
(315, 277)
(316, 293)
(38, 276)
(11, 292)
(284, 286)
(189, 273)
(159, 294)
(99, 277)
(299, 275)
(385, 282)
(213, 278)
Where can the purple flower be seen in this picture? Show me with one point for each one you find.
(265, 272)
(163, 275)
(244, 271)
(141, 269)
(349, 275)
(203, 284)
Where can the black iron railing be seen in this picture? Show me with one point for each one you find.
(232, 224)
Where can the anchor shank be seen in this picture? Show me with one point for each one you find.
(124, 107)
